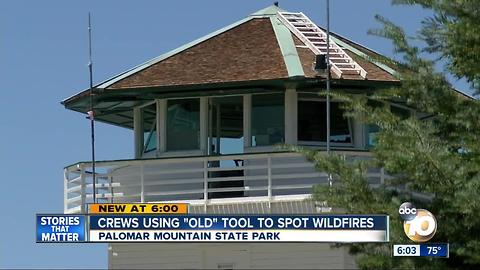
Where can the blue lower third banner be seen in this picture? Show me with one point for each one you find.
(239, 228)
(57, 228)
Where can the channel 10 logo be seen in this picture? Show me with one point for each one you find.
(418, 224)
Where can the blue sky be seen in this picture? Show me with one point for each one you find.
(43, 57)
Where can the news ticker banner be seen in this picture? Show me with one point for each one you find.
(422, 250)
(166, 223)
(238, 228)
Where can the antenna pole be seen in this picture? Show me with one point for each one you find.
(91, 113)
(328, 76)
(328, 85)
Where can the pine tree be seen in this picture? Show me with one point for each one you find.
(437, 156)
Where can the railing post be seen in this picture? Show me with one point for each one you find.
(269, 178)
(65, 190)
(110, 178)
(142, 184)
(382, 176)
(83, 190)
(205, 185)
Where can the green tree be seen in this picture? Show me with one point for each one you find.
(437, 156)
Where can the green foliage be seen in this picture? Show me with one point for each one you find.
(435, 152)
(453, 33)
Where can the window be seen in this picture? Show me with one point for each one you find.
(268, 124)
(149, 128)
(372, 131)
(183, 124)
(312, 123)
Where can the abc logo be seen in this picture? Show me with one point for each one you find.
(419, 224)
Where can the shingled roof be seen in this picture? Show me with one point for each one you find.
(256, 52)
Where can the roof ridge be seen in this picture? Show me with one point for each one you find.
(267, 12)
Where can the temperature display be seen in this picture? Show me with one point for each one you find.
(421, 250)
(434, 250)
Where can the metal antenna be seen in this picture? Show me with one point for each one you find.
(328, 86)
(91, 113)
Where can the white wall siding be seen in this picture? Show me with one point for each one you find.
(251, 255)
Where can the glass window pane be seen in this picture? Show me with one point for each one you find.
(226, 125)
(183, 124)
(149, 128)
(312, 123)
(372, 131)
(150, 139)
(268, 124)
(339, 125)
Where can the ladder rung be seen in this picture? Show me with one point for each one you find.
(332, 51)
(335, 54)
(292, 19)
(350, 69)
(295, 17)
(339, 58)
(324, 48)
(346, 62)
(308, 28)
(342, 60)
(301, 23)
(292, 13)
(332, 46)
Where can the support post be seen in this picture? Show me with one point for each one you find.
(142, 184)
(218, 129)
(65, 190)
(247, 116)
(204, 125)
(291, 110)
(162, 125)
(110, 178)
(382, 176)
(269, 184)
(83, 190)
(138, 132)
(205, 185)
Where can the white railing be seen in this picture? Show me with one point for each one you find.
(205, 180)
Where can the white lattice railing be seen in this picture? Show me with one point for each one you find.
(202, 180)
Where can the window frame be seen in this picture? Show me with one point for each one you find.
(351, 144)
(251, 120)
